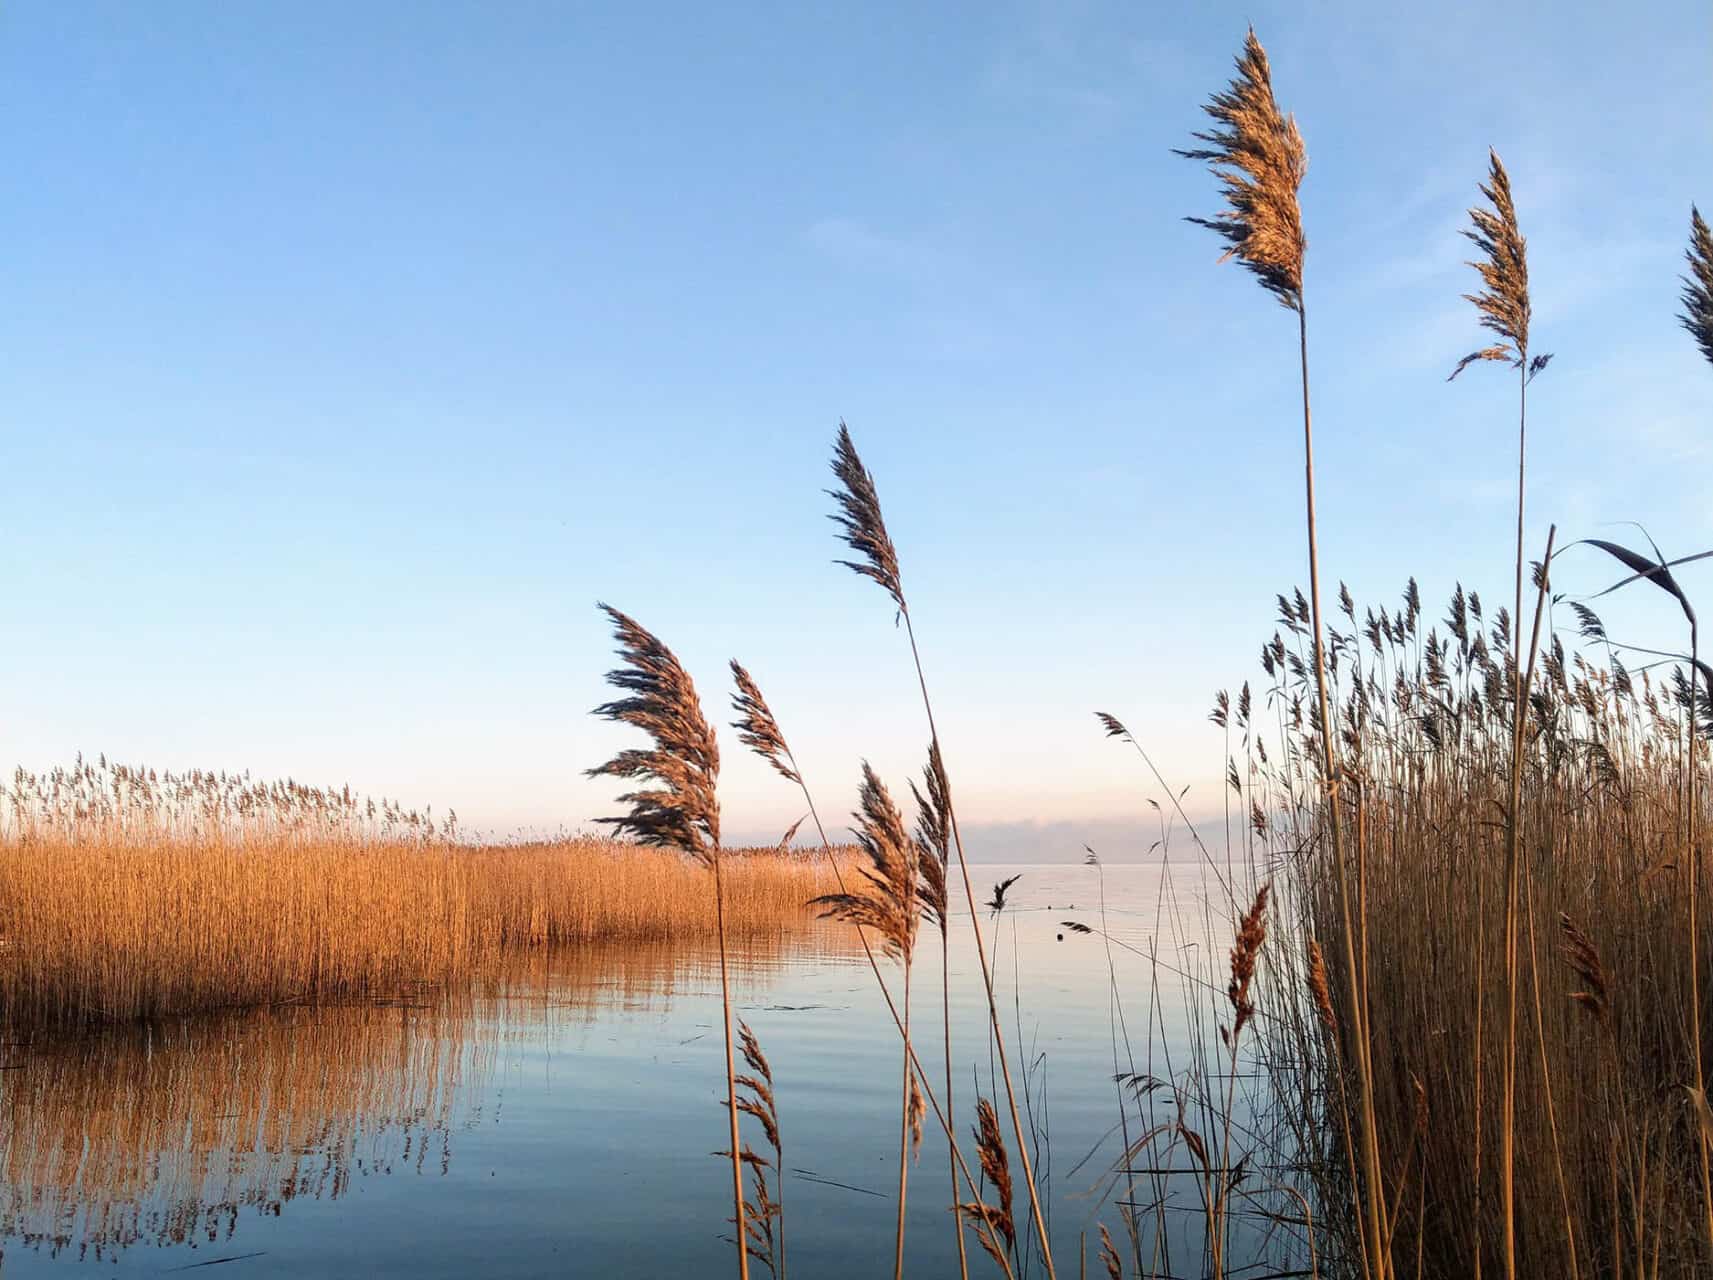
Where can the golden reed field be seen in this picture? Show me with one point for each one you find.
(192, 893)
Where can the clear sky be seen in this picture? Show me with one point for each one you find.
(350, 353)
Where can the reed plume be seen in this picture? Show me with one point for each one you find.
(1109, 1256)
(1583, 957)
(994, 1227)
(887, 901)
(1318, 988)
(1503, 302)
(863, 529)
(859, 520)
(681, 810)
(767, 1213)
(1259, 158)
(1697, 315)
(757, 729)
(1251, 934)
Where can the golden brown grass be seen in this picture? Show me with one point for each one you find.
(1605, 1123)
(106, 926)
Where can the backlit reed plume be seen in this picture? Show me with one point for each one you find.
(888, 902)
(994, 1226)
(1258, 157)
(863, 529)
(681, 810)
(859, 520)
(1503, 302)
(1697, 315)
(757, 729)
(1503, 307)
(766, 1224)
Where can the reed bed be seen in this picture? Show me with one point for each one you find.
(1606, 1117)
(101, 926)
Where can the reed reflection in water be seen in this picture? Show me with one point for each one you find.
(171, 1134)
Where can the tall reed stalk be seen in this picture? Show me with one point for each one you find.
(1258, 155)
(677, 806)
(1503, 305)
(1697, 318)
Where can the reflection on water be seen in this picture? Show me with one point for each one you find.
(168, 1134)
(556, 1118)
(172, 1134)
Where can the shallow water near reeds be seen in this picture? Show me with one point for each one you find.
(557, 1119)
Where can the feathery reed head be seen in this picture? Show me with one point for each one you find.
(918, 1113)
(1319, 988)
(1504, 270)
(1259, 158)
(1583, 958)
(683, 810)
(996, 903)
(1697, 314)
(759, 1103)
(1109, 1255)
(1251, 934)
(933, 835)
(888, 898)
(993, 1221)
(860, 522)
(757, 729)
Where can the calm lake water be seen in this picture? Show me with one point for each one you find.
(559, 1121)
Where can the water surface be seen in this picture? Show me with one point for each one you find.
(558, 1120)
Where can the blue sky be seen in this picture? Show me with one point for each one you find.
(351, 353)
